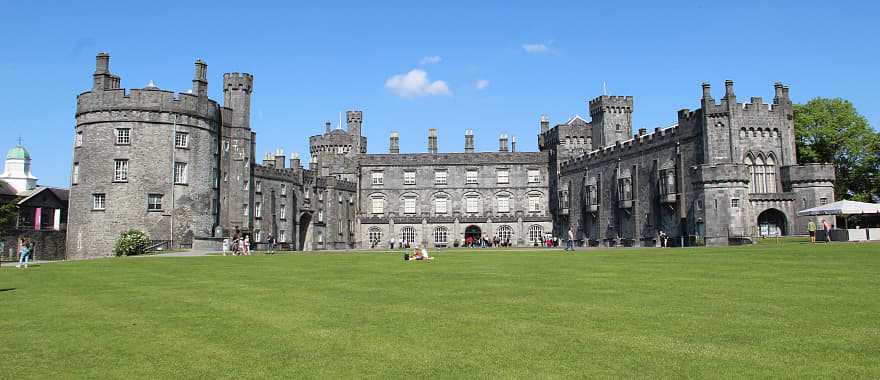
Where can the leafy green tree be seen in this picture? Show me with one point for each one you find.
(831, 130)
(8, 214)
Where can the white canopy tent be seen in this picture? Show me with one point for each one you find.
(842, 208)
(848, 208)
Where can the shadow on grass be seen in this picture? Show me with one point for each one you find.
(7, 290)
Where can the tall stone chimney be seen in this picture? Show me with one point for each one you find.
(294, 161)
(502, 143)
(268, 160)
(279, 159)
(513, 143)
(394, 143)
(468, 141)
(545, 123)
(432, 140)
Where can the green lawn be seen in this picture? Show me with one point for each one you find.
(770, 310)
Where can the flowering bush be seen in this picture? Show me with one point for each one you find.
(131, 242)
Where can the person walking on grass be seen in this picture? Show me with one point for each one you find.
(391, 242)
(270, 240)
(24, 253)
(811, 228)
(569, 243)
(827, 229)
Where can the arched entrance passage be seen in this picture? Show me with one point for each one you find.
(771, 222)
(305, 232)
(472, 233)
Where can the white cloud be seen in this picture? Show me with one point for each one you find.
(415, 83)
(481, 84)
(536, 48)
(430, 60)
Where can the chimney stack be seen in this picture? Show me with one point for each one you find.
(294, 161)
(394, 144)
(327, 127)
(468, 141)
(279, 159)
(513, 143)
(432, 140)
(545, 123)
(728, 89)
(268, 160)
(200, 79)
(502, 142)
(707, 90)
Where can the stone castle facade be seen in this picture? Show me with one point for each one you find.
(182, 168)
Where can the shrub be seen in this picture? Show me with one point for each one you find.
(131, 242)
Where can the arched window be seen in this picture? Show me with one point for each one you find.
(536, 234)
(441, 235)
(375, 236)
(505, 233)
(770, 173)
(408, 234)
(760, 184)
(753, 176)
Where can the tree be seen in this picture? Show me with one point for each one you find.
(831, 130)
(8, 215)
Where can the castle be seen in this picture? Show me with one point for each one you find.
(182, 168)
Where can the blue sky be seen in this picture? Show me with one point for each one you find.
(494, 67)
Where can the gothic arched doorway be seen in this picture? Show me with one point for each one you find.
(305, 232)
(472, 233)
(771, 222)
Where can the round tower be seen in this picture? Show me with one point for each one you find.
(143, 159)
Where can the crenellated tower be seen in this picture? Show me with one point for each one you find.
(611, 119)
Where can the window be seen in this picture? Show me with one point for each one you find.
(734, 202)
(284, 191)
(440, 205)
(351, 199)
(282, 212)
(471, 176)
(409, 205)
(321, 195)
(503, 176)
(534, 203)
(505, 233)
(441, 235)
(258, 209)
(503, 203)
(536, 234)
(282, 237)
(180, 172)
(377, 205)
(339, 196)
(98, 201)
(823, 201)
(624, 189)
(440, 177)
(563, 199)
(320, 216)
(320, 237)
(123, 136)
(154, 202)
(78, 140)
(409, 177)
(770, 174)
(472, 204)
(667, 182)
(245, 185)
(378, 178)
(181, 140)
(408, 234)
(307, 194)
(226, 146)
(74, 178)
(258, 186)
(121, 173)
(592, 195)
(245, 210)
(534, 175)
(375, 236)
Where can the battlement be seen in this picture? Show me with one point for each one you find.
(639, 142)
(354, 116)
(609, 103)
(755, 105)
(238, 81)
(292, 175)
(148, 100)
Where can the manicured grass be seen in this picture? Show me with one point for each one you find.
(789, 310)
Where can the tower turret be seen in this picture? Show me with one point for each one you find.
(237, 88)
(612, 119)
(354, 120)
(17, 171)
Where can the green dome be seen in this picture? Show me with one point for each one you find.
(18, 152)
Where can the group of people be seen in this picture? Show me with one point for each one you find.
(404, 244)
(826, 227)
(25, 252)
(483, 242)
(239, 246)
(418, 254)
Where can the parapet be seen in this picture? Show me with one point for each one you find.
(606, 103)
(807, 173)
(149, 100)
(238, 81)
